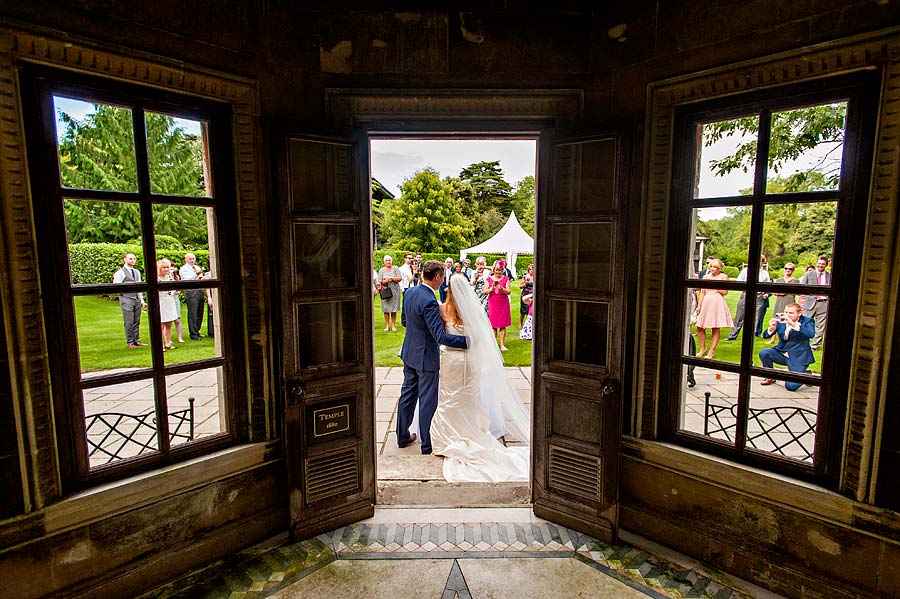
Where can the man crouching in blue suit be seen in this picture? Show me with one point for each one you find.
(421, 355)
(794, 332)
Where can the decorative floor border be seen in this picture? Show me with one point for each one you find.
(263, 572)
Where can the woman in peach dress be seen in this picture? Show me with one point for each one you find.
(712, 310)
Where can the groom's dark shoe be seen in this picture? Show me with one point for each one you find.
(426, 451)
(412, 439)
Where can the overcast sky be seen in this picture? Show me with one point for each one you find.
(394, 160)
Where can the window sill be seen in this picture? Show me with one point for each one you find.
(745, 479)
(119, 496)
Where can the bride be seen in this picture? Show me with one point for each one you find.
(473, 387)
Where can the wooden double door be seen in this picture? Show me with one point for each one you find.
(327, 360)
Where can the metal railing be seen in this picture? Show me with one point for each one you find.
(779, 429)
(128, 435)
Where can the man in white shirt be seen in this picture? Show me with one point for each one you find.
(191, 271)
(131, 303)
(739, 311)
(405, 274)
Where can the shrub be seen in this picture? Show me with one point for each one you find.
(96, 263)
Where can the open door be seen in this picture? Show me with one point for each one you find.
(327, 353)
(580, 327)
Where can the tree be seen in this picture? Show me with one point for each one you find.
(425, 217)
(793, 134)
(523, 203)
(99, 153)
(488, 189)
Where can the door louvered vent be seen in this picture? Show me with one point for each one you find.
(332, 474)
(574, 473)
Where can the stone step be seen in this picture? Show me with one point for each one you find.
(434, 493)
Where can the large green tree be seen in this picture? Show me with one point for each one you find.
(425, 217)
(488, 189)
(523, 203)
(98, 152)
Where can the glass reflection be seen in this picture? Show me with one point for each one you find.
(96, 145)
(196, 402)
(579, 331)
(100, 322)
(323, 256)
(582, 253)
(782, 421)
(325, 334)
(179, 230)
(585, 177)
(120, 421)
(178, 156)
(719, 232)
(727, 157)
(806, 148)
(708, 407)
(321, 176)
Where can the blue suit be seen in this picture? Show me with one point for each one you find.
(421, 362)
(793, 352)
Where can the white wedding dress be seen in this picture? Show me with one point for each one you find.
(461, 429)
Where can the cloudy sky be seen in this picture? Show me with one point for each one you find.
(394, 160)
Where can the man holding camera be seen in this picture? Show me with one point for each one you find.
(794, 332)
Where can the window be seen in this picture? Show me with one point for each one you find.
(134, 200)
(765, 188)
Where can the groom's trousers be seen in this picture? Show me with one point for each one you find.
(421, 386)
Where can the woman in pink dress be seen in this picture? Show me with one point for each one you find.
(496, 288)
(712, 310)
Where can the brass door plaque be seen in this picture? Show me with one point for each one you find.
(331, 420)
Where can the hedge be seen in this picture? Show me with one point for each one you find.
(522, 261)
(96, 263)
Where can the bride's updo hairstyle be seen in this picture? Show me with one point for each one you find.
(450, 303)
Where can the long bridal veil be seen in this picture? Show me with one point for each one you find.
(483, 357)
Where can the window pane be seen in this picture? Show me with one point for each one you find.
(179, 230)
(709, 406)
(107, 328)
(582, 256)
(719, 232)
(713, 324)
(323, 257)
(321, 176)
(196, 403)
(585, 177)
(805, 148)
(579, 331)
(120, 421)
(96, 145)
(788, 349)
(326, 333)
(726, 157)
(191, 335)
(783, 420)
(799, 234)
(179, 160)
(99, 235)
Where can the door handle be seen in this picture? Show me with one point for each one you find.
(609, 387)
(295, 391)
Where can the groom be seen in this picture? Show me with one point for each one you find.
(421, 355)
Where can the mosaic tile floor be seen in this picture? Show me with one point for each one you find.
(447, 555)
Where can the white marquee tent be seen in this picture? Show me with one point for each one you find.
(511, 240)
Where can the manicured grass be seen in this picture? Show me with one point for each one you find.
(387, 345)
(730, 351)
(101, 338)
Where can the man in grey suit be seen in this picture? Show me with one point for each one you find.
(816, 306)
(131, 303)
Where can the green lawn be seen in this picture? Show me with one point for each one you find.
(387, 345)
(101, 338)
(730, 351)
